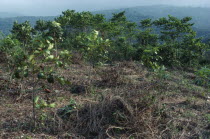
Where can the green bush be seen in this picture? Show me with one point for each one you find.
(203, 77)
(121, 50)
(8, 43)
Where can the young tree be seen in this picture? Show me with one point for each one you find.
(66, 21)
(146, 36)
(95, 49)
(22, 32)
(173, 29)
(41, 26)
(175, 37)
(55, 31)
(40, 65)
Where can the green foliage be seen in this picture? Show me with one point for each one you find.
(74, 22)
(118, 17)
(54, 30)
(38, 63)
(147, 37)
(181, 47)
(40, 59)
(121, 50)
(1, 35)
(41, 103)
(65, 112)
(160, 72)
(35, 53)
(172, 29)
(168, 41)
(49, 29)
(22, 32)
(174, 45)
(203, 77)
(95, 49)
(13, 51)
(207, 116)
(41, 25)
(146, 23)
(8, 43)
(191, 49)
(150, 57)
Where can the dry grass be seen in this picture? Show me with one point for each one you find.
(120, 101)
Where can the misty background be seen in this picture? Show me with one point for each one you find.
(55, 7)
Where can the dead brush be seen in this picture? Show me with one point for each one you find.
(77, 58)
(3, 57)
(96, 119)
(113, 117)
(110, 76)
(131, 68)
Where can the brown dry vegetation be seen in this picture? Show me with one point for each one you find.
(123, 100)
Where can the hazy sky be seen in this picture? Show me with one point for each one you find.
(54, 7)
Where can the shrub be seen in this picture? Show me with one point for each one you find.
(203, 77)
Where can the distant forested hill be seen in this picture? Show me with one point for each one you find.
(7, 23)
(201, 16)
(6, 14)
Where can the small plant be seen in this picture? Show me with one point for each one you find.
(150, 57)
(161, 73)
(41, 105)
(203, 77)
(208, 117)
(66, 111)
(95, 48)
(40, 64)
(12, 50)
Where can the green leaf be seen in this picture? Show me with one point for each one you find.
(48, 41)
(36, 99)
(36, 52)
(51, 57)
(52, 105)
(47, 52)
(43, 104)
(31, 57)
(50, 47)
(59, 63)
(50, 38)
(61, 80)
(37, 106)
